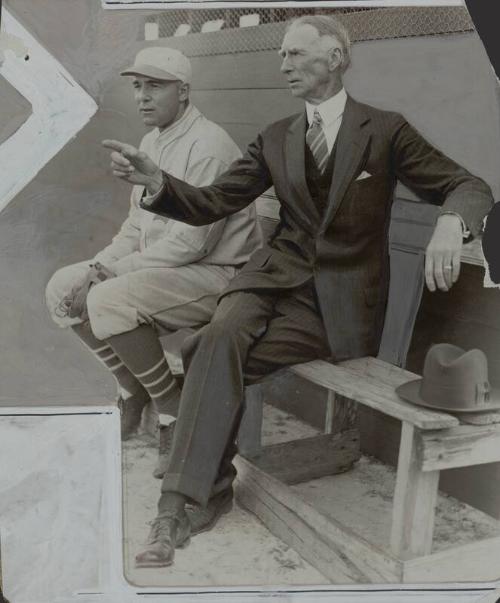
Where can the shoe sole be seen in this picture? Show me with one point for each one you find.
(153, 564)
(223, 510)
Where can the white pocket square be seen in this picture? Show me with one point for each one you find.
(363, 175)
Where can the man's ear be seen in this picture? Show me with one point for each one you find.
(334, 58)
(184, 92)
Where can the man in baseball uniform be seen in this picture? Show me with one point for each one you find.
(157, 274)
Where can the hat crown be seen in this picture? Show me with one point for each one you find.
(161, 62)
(455, 376)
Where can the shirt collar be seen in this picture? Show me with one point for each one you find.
(330, 110)
(189, 115)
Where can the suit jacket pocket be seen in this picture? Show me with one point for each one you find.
(365, 186)
(368, 198)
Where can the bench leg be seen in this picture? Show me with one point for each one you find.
(415, 500)
(341, 414)
(249, 435)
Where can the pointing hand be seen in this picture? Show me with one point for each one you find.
(134, 166)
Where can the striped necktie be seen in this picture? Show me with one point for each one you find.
(316, 141)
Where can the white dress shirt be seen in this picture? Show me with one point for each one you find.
(331, 112)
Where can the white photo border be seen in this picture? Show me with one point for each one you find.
(118, 589)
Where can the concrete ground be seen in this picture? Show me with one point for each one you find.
(240, 551)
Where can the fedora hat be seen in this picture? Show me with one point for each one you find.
(161, 63)
(453, 380)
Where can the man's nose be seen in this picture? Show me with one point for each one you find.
(142, 94)
(285, 65)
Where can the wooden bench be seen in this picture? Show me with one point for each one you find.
(430, 442)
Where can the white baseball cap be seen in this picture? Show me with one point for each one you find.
(161, 63)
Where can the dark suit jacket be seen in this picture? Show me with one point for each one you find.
(345, 250)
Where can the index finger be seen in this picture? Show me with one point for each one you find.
(121, 147)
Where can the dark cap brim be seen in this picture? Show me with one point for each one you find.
(410, 392)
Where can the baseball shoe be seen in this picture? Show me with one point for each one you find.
(131, 413)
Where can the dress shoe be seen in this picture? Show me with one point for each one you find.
(203, 519)
(168, 532)
(131, 413)
(166, 439)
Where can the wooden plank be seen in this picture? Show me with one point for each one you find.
(149, 420)
(242, 134)
(371, 392)
(472, 253)
(385, 372)
(335, 551)
(330, 411)
(310, 458)
(405, 292)
(341, 414)
(460, 446)
(249, 70)
(475, 562)
(415, 498)
(258, 107)
(301, 538)
(406, 209)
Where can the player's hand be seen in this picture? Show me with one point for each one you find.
(442, 256)
(77, 306)
(134, 166)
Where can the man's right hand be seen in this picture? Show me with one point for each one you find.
(134, 166)
(77, 300)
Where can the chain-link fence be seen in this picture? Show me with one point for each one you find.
(250, 29)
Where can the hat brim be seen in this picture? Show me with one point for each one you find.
(410, 392)
(151, 71)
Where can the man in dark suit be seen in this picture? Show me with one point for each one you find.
(319, 288)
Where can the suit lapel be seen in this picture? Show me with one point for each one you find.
(353, 139)
(295, 166)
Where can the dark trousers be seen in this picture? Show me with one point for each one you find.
(251, 335)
